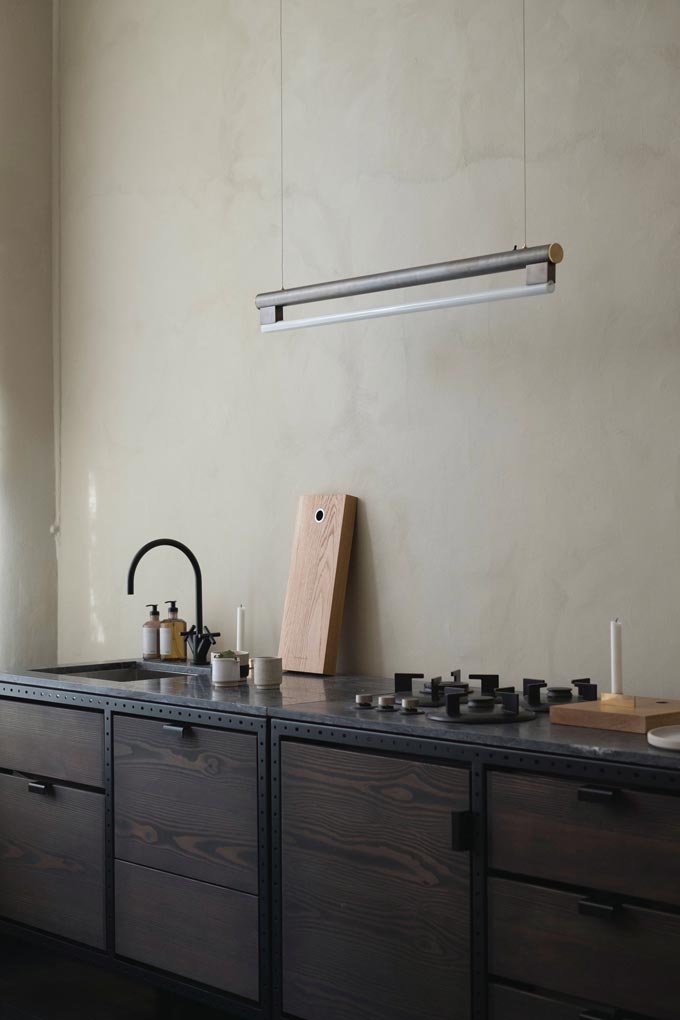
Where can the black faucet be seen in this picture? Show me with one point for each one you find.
(198, 638)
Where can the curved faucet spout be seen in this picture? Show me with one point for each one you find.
(194, 563)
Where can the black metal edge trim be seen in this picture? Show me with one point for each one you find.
(129, 706)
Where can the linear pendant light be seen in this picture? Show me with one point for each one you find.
(539, 261)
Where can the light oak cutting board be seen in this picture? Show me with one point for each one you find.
(645, 715)
(315, 598)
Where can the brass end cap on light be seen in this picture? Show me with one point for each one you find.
(555, 253)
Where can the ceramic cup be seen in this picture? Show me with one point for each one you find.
(267, 671)
(225, 672)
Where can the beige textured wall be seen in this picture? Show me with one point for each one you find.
(518, 465)
(28, 579)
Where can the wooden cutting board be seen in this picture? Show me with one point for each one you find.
(317, 581)
(644, 715)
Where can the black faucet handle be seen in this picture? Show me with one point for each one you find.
(189, 633)
(211, 635)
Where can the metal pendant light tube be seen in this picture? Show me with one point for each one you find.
(535, 290)
(271, 304)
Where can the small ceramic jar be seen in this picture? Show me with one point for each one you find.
(267, 671)
(226, 671)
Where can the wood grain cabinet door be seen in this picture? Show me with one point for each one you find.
(185, 800)
(375, 902)
(52, 858)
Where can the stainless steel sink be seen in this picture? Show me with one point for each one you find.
(123, 672)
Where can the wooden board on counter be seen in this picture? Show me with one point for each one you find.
(644, 715)
(315, 598)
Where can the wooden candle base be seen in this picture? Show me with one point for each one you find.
(618, 712)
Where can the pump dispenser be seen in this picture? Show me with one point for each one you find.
(151, 648)
(173, 646)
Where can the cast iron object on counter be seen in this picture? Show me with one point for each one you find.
(535, 702)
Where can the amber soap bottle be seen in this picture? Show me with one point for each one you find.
(173, 646)
(151, 648)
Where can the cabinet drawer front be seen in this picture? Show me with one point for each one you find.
(201, 932)
(45, 740)
(628, 959)
(375, 902)
(186, 801)
(52, 859)
(563, 830)
(512, 1004)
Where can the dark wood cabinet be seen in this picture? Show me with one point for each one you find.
(47, 740)
(623, 955)
(52, 858)
(199, 931)
(375, 901)
(514, 1004)
(586, 834)
(186, 800)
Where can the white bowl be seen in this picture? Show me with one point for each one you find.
(667, 737)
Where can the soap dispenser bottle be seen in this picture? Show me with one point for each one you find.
(173, 645)
(151, 647)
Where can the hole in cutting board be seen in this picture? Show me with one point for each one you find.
(319, 515)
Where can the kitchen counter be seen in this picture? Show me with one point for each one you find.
(330, 701)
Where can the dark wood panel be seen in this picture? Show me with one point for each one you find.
(199, 931)
(540, 827)
(52, 859)
(512, 1004)
(376, 916)
(187, 804)
(629, 960)
(46, 740)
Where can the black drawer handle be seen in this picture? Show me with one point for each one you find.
(461, 831)
(597, 794)
(35, 787)
(593, 908)
(180, 729)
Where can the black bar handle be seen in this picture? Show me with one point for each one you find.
(182, 729)
(597, 794)
(461, 831)
(36, 787)
(593, 908)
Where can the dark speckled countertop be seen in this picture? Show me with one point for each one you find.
(330, 701)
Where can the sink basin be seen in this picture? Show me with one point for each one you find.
(123, 672)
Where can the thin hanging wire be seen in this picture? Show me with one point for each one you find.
(523, 103)
(281, 133)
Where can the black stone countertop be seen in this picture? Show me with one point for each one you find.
(538, 735)
(191, 686)
(330, 701)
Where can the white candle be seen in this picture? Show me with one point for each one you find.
(240, 628)
(617, 675)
